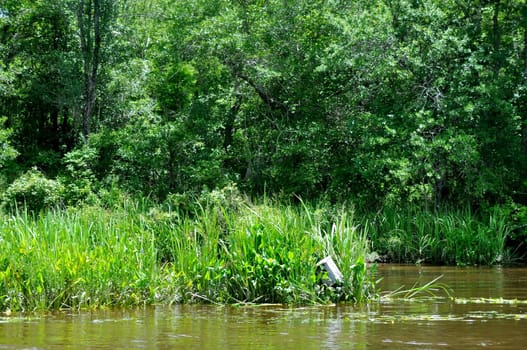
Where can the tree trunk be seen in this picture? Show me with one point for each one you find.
(88, 17)
(229, 122)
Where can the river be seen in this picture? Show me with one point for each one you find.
(488, 311)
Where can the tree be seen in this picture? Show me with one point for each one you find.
(375, 100)
(40, 79)
(93, 21)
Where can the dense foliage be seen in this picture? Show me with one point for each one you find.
(88, 257)
(375, 102)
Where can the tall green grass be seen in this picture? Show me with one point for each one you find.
(76, 259)
(90, 257)
(265, 253)
(455, 237)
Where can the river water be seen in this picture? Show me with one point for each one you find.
(488, 311)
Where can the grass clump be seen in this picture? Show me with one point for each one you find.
(450, 237)
(75, 259)
(88, 257)
(265, 253)
(431, 289)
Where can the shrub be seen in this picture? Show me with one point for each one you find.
(79, 177)
(32, 191)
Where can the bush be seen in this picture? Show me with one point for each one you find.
(79, 177)
(32, 191)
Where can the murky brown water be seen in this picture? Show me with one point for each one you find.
(490, 311)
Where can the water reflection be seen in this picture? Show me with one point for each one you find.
(469, 322)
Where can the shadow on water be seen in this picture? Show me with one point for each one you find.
(489, 311)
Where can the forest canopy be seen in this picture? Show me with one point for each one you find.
(370, 101)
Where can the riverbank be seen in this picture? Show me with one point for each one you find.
(240, 252)
(247, 253)
(443, 237)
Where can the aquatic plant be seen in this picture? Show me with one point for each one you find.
(263, 252)
(431, 289)
(75, 259)
(457, 237)
(268, 253)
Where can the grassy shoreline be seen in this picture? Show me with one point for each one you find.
(448, 237)
(91, 256)
(253, 253)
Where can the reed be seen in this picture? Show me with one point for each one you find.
(432, 289)
(266, 253)
(75, 259)
(413, 235)
(90, 257)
